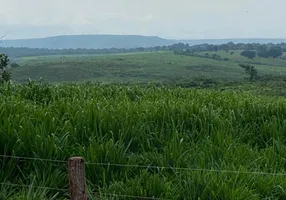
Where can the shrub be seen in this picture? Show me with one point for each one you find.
(15, 65)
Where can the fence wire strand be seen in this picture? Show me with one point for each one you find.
(150, 166)
(31, 158)
(33, 186)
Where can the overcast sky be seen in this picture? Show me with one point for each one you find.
(177, 19)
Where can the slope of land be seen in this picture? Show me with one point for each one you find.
(116, 41)
(89, 42)
(141, 67)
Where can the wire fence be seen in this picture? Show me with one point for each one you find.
(125, 165)
(148, 166)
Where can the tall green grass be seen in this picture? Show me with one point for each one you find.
(149, 126)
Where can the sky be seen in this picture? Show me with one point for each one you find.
(172, 19)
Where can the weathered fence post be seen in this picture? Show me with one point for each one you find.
(77, 180)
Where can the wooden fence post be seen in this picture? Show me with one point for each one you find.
(77, 180)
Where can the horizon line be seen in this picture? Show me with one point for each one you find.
(165, 38)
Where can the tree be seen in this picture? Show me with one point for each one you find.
(224, 47)
(250, 70)
(275, 52)
(248, 54)
(262, 51)
(15, 65)
(4, 61)
(187, 52)
(216, 57)
(157, 48)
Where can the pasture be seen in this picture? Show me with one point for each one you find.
(204, 144)
(144, 140)
(133, 68)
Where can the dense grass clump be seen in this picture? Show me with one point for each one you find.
(199, 136)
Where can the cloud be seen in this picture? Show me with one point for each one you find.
(147, 18)
(176, 19)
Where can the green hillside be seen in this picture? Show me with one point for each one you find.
(140, 67)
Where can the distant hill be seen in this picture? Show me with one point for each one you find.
(89, 42)
(115, 41)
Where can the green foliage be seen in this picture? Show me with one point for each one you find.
(248, 54)
(14, 65)
(141, 68)
(269, 52)
(5, 75)
(264, 50)
(150, 126)
(250, 70)
(4, 61)
(216, 57)
(37, 93)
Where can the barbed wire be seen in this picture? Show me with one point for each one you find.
(185, 168)
(151, 166)
(33, 186)
(33, 158)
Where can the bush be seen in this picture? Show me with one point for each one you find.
(250, 70)
(15, 65)
(216, 57)
(6, 76)
(248, 54)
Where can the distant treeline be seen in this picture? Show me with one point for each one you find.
(263, 50)
(228, 46)
(22, 52)
(249, 50)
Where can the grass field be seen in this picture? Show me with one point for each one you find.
(148, 126)
(140, 67)
(224, 142)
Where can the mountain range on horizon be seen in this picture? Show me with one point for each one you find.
(117, 41)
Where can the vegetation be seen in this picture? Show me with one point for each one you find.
(5, 75)
(269, 50)
(14, 65)
(164, 141)
(248, 54)
(150, 126)
(24, 52)
(250, 70)
(133, 68)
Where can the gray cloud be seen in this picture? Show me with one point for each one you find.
(167, 18)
